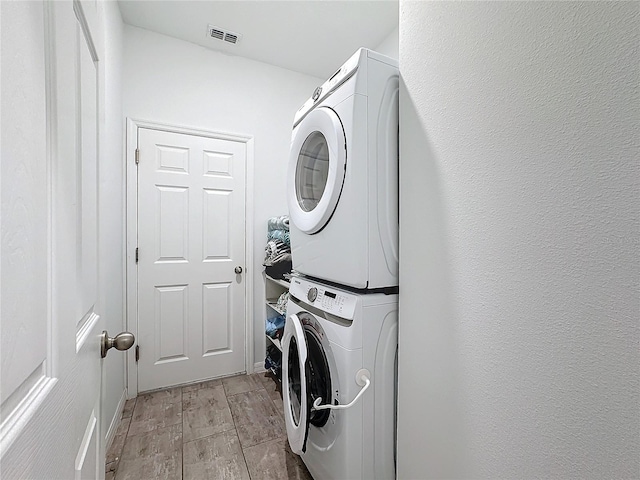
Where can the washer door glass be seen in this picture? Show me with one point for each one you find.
(294, 377)
(317, 167)
(317, 371)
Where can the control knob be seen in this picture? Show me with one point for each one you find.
(312, 294)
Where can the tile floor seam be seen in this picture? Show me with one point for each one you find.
(244, 457)
(234, 417)
(126, 435)
(248, 391)
(154, 428)
(119, 456)
(235, 427)
(130, 421)
(207, 436)
(277, 439)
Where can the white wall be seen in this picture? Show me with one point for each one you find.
(390, 45)
(174, 82)
(111, 228)
(519, 266)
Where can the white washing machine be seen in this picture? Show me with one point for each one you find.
(332, 339)
(342, 188)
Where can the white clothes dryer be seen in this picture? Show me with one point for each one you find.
(342, 187)
(330, 336)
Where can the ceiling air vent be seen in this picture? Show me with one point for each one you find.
(215, 33)
(222, 34)
(230, 37)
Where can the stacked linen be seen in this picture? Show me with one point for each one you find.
(281, 235)
(278, 229)
(277, 263)
(278, 223)
(273, 360)
(278, 250)
(275, 326)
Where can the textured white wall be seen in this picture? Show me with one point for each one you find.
(111, 198)
(519, 272)
(174, 82)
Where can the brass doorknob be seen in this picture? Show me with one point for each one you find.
(122, 341)
(238, 270)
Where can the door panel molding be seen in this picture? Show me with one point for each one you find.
(22, 404)
(86, 464)
(26, 227)
(131, 202)
(52, 371)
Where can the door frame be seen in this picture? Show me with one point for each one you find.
(132, 234)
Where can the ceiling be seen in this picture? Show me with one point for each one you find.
(311, 36)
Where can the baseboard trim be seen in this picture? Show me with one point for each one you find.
(115, 421)
(258, 367)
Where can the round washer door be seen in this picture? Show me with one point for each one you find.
(294, 384)
(317, 165)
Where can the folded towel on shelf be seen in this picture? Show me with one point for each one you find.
(283, 299)
(279, 270)
(282, 235)
(273, 360)
(278, 223)
(273, 325)
(276, 251)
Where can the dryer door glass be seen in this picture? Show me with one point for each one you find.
(317, 169)
(312, 171)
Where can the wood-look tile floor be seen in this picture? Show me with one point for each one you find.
(230, 428)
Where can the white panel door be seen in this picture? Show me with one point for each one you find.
(191, 237)
(50, 315)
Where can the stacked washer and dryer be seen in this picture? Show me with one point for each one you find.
(341, 334)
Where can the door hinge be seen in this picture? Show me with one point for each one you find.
(137, 352)
(137, 156)
(136, 254)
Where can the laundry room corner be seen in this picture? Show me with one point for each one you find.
(173, 82)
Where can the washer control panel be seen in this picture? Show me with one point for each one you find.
(328, 299)
(312, 294)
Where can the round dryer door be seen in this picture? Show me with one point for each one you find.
(305, 377)
(317, 165)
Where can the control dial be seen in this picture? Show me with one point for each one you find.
(312, 294)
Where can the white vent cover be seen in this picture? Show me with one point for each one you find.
(222, 34)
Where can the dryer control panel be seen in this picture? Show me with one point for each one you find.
(344, 73)
(328, 299)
